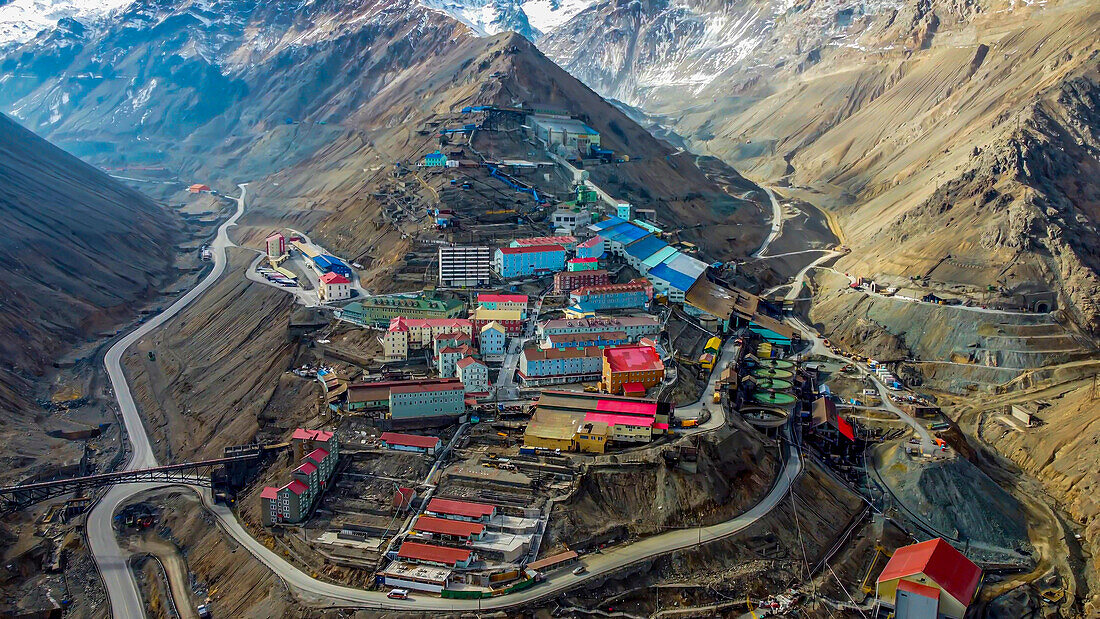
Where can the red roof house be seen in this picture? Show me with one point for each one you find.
(410, 440)
(934, 564)
(461, 509)
(334, 278)
(440, 555)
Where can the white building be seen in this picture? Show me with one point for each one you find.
(474, 375)
(461, 266)
(334, 287)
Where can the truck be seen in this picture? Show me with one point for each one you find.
(717, 396)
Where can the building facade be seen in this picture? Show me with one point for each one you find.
(638, 364)
(473, 374)
(276, 246)
(510, 319)
(493, 340)
(566, 241)
(634, 326)
(557, 366)
(379, 311)
(410, 442)
(632, 295)
(592, 248)
(582, 264)
(333, 287)
(514, 302)
(440, 400)
(464, 266)
(603, 339)
(567, 281)
(511, 262)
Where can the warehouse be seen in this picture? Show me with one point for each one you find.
(563, 131)
(449, 530)
(617, 418)
(929, 579)
(460, 510)
(455, 558)
(410, 442)
(415, 577)
(636, 252)
(327, 264)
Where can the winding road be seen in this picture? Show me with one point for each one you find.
(122, 590)
(777, 223)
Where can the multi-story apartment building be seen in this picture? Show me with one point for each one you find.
(464, 266)
(556, 366)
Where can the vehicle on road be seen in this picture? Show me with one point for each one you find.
(580, 569)
(398, 594)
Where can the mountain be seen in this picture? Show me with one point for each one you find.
(80, 249)
(237, 89)
(955, 140)
(20, 20)
(530, 18)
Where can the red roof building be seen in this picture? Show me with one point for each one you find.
(934, 564)
(269, 492)
(461, 510)
(307, 468)
(531, 249)
(483, 298)
(334, 278)
(297, 487)
(446, 526)
(636, 365)
(436, 555)
(317, 455)
(411, 441)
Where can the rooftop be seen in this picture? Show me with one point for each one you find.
(459, 508)
(552, 560)
(938, 560)
(317, 455)
(539, 354)
(531, 249)
(452, 384)
(484, 313)
(466, 362)
(571, 338)
(721, 301)
(676, 279)
(413, 571)
(645, 247)
(612, 419)
(609, 322)
(410, 440)
(334, 278)
(269, 492)
(311, 435)
(435, 554)
(635, 358)
(296, 487)
(610, 222)
(306, 468)
(501, 298)
(447, 526)
(631, 286)
(545, 240)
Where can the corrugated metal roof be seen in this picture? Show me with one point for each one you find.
(610, 222)
(409, 440)
(939, 561)
(460, 508)
(687, 265)
(645, 247)
(625, 233)
(676, 279)
(662, 254)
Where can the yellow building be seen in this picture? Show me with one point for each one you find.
(591, 437)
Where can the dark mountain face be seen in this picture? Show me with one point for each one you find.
(79, 250)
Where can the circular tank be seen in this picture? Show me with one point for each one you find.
(771, 373)
(779, 364)
(774, 384)
(773, 398)
(764, 417)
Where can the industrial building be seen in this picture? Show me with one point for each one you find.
(567, 281)
(929, 580)
(430, 554)
(333, 287)
(328, 264)
(448, 530)
(474, 375)
(635, 294)
(511, 262)
(464, 266)
(633, 326)
(558, 366)
(415, 577)
(378, 311)
(411, 442)
(569, 133)
(631, 367)
(460, 510)
(731, 306)
(567, 220)
(569, 420)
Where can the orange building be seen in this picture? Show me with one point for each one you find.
(639, 367)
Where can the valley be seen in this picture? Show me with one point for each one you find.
(571, 308)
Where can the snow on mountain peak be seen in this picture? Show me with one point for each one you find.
(20, 20)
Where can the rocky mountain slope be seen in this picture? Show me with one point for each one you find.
(80, 249)
(953, 136)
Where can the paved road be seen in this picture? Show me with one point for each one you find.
(777, 224)
(717, 414)
(598, 564)
(307, 298)
(112, 562)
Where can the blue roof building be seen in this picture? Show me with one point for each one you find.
(610, 222)
(328, 264)
(671, 282)
(643, 248)
(657, 258)
(435, 160)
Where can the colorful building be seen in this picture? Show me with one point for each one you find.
(291, 503)
(375, 397)
(473, 374)
(492, 340)
(510, 319)
(638, 251)
(566, 241)
(406, 334)
(427, 402)
(328, 264)
(565, 341)
(557, 366)
(411, 442)
(567, 281)
(333, 287)
(631, 365)
(435, 160)
(574, 265)
(592, 248)
(561, 418)
(461, 510)
(929, 579)
(634, 326)
(276, 246)
(493, 301)
(430, 554)
(632, 295)
(379, 311)
(511, 262)
(448, 357)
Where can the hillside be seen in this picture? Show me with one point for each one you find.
(80, 250)
(955, 141)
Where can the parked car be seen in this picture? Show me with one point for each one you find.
(398, 594)
(580, 569)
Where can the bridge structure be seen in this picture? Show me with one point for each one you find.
(230, 470)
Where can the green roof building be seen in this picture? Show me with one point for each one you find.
(378, 311)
